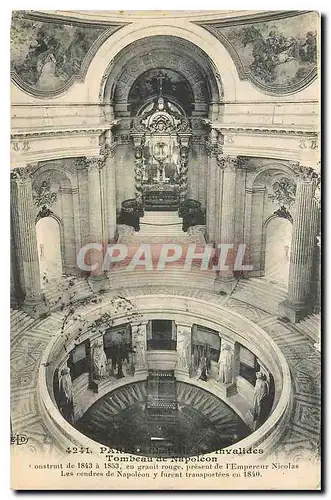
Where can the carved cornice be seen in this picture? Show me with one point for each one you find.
(264, 131)
(26, 136)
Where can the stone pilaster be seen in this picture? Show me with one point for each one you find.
(94, 165)
(228, 366)
(213, 149)
(25, 238)
(111, 192)
(225, 280)
(295, 307)
(139, 344)
(184, 347)
(218, 204)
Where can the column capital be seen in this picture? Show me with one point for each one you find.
(232, 162)
(304, 173)
(92, 163)
(23, 174)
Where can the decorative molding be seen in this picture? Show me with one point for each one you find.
(78, 73)
(310, 134)
(43, 197)
(308, 144)
(21, 146)
(283, 193)
(269, 40)
(26, 136)
(182, 59)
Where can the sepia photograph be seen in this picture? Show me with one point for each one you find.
(165, 237)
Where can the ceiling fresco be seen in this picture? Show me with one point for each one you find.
(47, 56)
(279, 54)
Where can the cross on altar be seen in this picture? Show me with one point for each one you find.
(160, 78)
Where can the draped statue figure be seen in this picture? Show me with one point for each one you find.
(99, 361)
(183, 351)
(261, 392)
(225, 365)
(66, 394)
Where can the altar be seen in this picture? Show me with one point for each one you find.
(161, 134)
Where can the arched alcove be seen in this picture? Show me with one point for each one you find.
(277, 249)
(49, 248)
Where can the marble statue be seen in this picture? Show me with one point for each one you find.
(140, 354)
(99, 361)
(66, 394)
(183, 351)
(225, 365)
(261, 391)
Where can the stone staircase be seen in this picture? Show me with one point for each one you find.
(124, 277)
(260, 293)
(57, 292)
(161, 227)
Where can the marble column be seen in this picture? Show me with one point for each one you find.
(25, 238)
(228, 366)
(218, 203)
(295, 307)
(111, 192)
(225, 280)
(212, 149)
(139, 345)
(184, 347)
(94, 165)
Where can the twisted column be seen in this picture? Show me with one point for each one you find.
(183, 173)
(295, 307)
(138, 174)
(25, 237)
